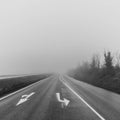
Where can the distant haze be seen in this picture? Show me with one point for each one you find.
(55, 35)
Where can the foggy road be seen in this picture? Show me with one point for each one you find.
(60, 97)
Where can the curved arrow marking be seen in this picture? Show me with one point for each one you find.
(64, 102)
(24, 98)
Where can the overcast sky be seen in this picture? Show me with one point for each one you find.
(55, 35)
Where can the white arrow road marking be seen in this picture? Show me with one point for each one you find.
(84, 101)
(64, 102)
(24, 98)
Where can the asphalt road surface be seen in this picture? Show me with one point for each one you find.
(60, 97)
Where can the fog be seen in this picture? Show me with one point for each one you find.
(39, 36)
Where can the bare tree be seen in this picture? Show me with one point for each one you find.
(109, 63)
(95, 63)
(117, 60)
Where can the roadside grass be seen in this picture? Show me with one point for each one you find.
(9, 85)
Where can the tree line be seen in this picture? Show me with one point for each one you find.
(105, 75)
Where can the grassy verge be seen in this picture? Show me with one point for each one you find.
(10, 85)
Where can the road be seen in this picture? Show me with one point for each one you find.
(39, 101)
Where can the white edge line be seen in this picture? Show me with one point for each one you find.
(21, 89)
(84, 101)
